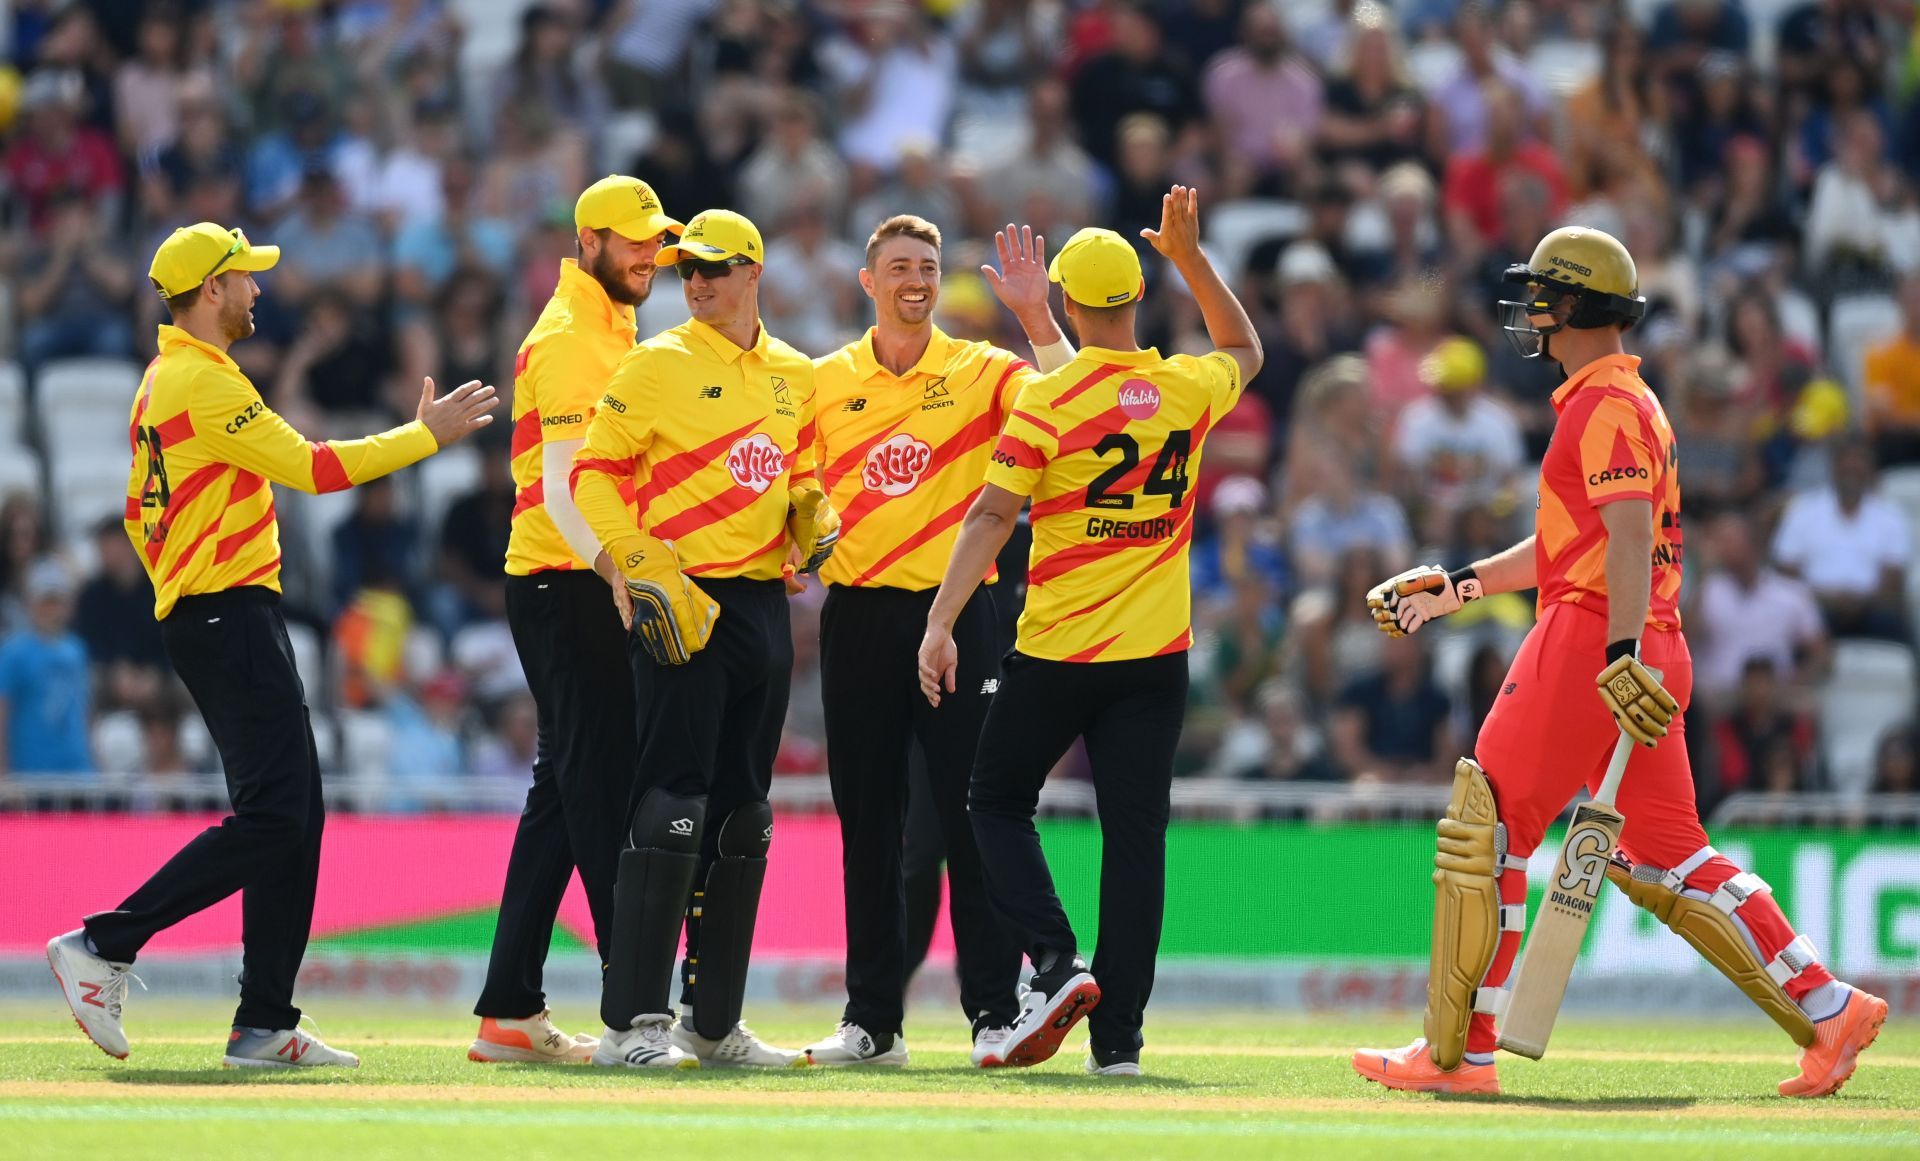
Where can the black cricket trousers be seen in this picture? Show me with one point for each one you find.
(1130, 713)
(574, 651)
(231, 650)
(711, 728)
(869, 645)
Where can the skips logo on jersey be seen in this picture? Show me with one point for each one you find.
(1139, 399)
(756, 462)
(894, 467)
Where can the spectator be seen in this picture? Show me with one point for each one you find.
(1762, 743)
(1821, 35)
(427, 251)
(919, 186)
(1266, 102)
(75, 293)
(1852, 546)
(1685, 31)
(790, 159)
(462, 341)
(542, 71)
(288, 67)
(645, 42)
(1332, 415)
(1137, 74)
(44, 699)
(506, 757)
(473, 543)
(1714, 107)
(1341, 515)
(114, 614)
(1892, 376)
(1392, 725)
(1415, 323)
(1311, 325)
(1242, 544)
(1747, 610)
(425, 731)
(24, 538)
(1002, 45)
(1607, 116)
(1723, 465)
(336, 367)
(1332, 640)
(339, 249)
(1749, 214)
(1051, 169)
(1457, 447)
(1374, 115)
(1284, 748)
(1144, 169)
(203, 149)
(149, 88)
(1848, 219)
(1459, 122)
(1896, 764)
(54, 156)
(537, 163)
(810, 287)
(1412, 243)
(394, 175)
(374, 547)
(1476, 178)
(893, 77)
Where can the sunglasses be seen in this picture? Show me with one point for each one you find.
(239, 244)
(686, 268)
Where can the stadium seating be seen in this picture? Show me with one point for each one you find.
(1235, 228)
(13, 402)
(1870, 691)
(1859, 322)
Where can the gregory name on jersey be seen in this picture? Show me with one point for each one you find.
(1159, 528)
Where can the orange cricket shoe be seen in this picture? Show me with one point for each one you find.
(1839, 1041)
(533, 1040)
(1411, 1069)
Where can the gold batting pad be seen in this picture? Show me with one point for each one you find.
(1466, 912)
(1713, 934)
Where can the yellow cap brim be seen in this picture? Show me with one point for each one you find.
(254, 258)
(698, 251)
(650, 226)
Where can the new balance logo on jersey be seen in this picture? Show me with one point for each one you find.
(709, 392)
(990, 685)
(681, 826)
(854, 405)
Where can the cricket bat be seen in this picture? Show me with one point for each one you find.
(1540, 980)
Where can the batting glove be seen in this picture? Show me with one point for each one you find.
(1637, 700)
(671, 616)
(1402, 604)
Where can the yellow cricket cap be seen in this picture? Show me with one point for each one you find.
(713, 235)
(1455, 365)
(1098, 268)
(193, 254)
(625, 205)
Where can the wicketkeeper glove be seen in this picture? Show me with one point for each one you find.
(671, 616)
(1402, 604)
(813, 525)
(1637, 700)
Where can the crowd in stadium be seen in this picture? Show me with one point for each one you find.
(1367, 170)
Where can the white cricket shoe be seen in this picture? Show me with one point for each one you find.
(990, 1042)
(739, 1048)
(852, 1044)
(648, 1044)
(533, 1040)
(292, 1048)
(96, 990)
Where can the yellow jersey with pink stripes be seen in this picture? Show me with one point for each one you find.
(1611, 442)
(712, 437)
(903, 456)
(1108, 447)
(558, 376)
(205, 448)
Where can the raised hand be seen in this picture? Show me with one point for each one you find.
(1178, 238)
(1021, 282)
(457, 414)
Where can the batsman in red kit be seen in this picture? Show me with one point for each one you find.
(1606, 556)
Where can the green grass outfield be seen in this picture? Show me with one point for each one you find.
(1218, 1087)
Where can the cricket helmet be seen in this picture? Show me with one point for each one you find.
(1588, 266)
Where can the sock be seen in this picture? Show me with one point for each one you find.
(91, 949)
(882, 1042)
(1825, 1001)
(1477, 1057)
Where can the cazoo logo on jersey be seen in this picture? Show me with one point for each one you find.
(756, 462)
(894, 467)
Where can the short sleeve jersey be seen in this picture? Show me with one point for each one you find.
(559, 374)
(1611, 442)
(903, 456)
(712, 437)
(1108, 447)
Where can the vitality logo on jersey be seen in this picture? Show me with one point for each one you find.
(756, 462)
(893, 468)
(1139, 399)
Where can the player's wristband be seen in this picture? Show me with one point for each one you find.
(1619, 649)
(1466, 584)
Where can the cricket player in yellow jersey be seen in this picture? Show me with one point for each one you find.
(569, 636)
(1606, 555)
(200, 513)
(1107, 447)
(712, 424)
(907, 418)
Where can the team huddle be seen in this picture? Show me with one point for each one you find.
(674, 492)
